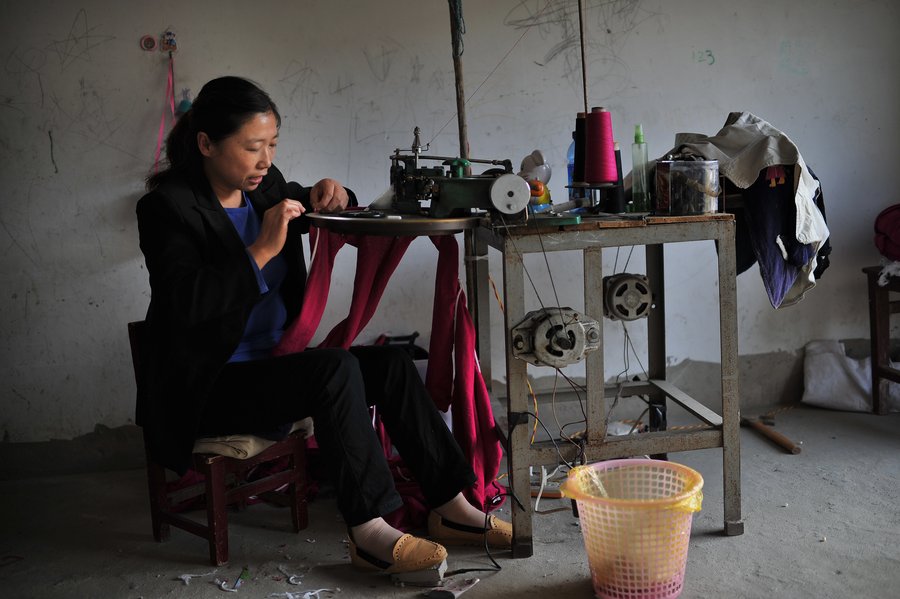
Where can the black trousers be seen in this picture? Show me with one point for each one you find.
(336, 387)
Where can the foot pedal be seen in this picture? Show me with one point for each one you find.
(430, 577)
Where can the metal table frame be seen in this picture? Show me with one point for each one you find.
(591, 238)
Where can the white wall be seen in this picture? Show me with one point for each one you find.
(80, 106)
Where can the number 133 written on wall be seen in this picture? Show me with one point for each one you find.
(704, 57)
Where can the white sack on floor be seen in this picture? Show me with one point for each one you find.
(832, 380)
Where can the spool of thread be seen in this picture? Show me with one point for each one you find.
(600, 159)
(580, 140)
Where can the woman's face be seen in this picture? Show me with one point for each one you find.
(238, 162)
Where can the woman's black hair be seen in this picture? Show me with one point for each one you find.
(219, 110)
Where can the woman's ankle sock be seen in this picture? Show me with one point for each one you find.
(377, 538)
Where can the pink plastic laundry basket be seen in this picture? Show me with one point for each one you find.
(636, 522)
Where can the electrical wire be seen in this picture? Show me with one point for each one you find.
(487, 550)
(527, 382)
(494, 70)
(627, 260)
(537, 501)
(552, 440)
(535, 403)
(496, 293)
(522, 259)
(544, 308)
(630, 345)
(562, 320)
(638, 421)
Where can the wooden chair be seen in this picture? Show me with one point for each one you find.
(225, 482)
(880, 309)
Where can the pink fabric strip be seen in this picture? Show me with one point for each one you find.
(170, 104)
(300, 332)
(453, 372)
(377, 258)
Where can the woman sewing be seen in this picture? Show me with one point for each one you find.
(221, 234)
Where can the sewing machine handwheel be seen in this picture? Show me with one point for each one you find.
(510, 194)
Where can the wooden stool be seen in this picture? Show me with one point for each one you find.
(226, 482)
(880, 309)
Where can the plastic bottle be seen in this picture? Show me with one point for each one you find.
(570, 163)
(640, 194)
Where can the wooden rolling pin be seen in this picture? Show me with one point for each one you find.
(775, 436)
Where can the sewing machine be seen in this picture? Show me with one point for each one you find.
(440, 192)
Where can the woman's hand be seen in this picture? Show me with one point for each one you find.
(273, 232)
(328, 196)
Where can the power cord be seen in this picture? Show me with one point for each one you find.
(487, 550)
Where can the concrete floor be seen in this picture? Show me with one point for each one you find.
(824, 523)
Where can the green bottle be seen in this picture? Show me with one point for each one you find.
(640, 193)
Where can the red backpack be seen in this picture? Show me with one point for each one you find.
(887, 232)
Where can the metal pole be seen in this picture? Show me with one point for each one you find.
(583, 60)
(456, 35)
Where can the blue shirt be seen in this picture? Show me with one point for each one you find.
(267, 318)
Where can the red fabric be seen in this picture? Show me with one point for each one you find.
(439, 378)
(377, 258)
(300, 332)
(887, 232)
(453, 378)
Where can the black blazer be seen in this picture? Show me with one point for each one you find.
(202, 290)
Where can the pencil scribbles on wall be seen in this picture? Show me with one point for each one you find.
(415, 69)
(19, 230)
(11, 103)
(381, 58)
(22, 65)
(340, 87)
(52, 157)
(438, 80)
(300, 84)
(368, 122)
(704, 56)
(608, 24)
(61, 108)
(92, 112)
(85, 114)
(79, 42)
